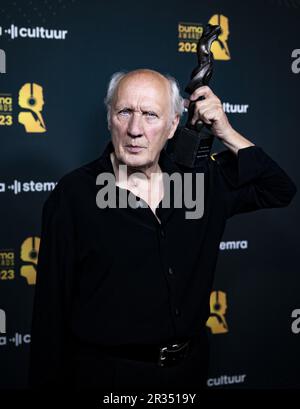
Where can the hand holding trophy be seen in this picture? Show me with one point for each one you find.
(193, 142)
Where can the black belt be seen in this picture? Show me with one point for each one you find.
(164, 355)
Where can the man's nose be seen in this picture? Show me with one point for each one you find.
(135, 126)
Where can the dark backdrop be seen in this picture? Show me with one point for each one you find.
(260, 276)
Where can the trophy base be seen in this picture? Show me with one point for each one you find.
(189, 147)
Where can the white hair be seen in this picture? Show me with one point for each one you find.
(177, 106)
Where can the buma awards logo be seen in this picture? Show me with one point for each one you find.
(31, 99)
(219, 47)
(190, 33)
(218, 306)
(10, 263)
(29, 255)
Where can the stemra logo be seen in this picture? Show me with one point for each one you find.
(29, 254)
(190, 33)
(31, 99)
(16, 339)
(218, 306)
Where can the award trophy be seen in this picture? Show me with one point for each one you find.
(192, 143)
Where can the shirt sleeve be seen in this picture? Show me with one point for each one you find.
(253, 181)
(53, 290)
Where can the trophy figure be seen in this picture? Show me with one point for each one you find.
(192, 143)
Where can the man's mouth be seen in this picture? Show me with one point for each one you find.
(134, 149)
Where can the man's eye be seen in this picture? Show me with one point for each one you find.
(151, 114)
(124, 112)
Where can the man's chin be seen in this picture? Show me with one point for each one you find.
(136, 161)
(137, 164)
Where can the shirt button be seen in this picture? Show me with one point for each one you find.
(162, 233)
(177, 312)
(171, 271)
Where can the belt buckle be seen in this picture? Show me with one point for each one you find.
(170, 354)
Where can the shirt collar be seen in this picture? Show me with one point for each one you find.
(166, 164)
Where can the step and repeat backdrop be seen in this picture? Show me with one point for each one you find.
(56, 58)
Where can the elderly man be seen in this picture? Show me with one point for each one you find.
(122, 293)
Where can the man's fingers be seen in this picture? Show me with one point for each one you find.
(207, 112)
(209, 102)
(204, 91)
(203, 119)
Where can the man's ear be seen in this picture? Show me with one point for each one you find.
(174, 125)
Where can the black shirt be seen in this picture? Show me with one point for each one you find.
(118, 276)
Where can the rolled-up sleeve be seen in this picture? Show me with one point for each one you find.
(53, 293)
(253, 181)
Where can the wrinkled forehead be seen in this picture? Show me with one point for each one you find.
(148, 86)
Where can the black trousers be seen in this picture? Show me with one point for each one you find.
(114, 374)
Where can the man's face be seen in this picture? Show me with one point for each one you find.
(141, 120)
